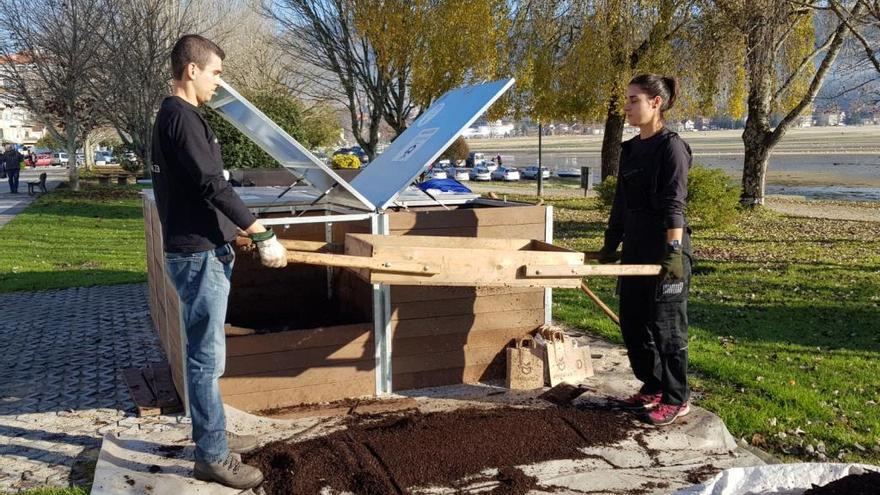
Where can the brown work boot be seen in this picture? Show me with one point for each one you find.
(240, 444)
(229, 472)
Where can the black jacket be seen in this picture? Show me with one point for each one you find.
(198, 208)
(651, 192)
(12, 160)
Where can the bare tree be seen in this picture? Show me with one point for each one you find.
(50, 54)
(336, 61)
(136, 48)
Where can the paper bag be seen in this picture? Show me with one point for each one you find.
(525, 365)
(566, 362)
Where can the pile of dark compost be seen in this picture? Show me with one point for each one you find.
(396, 453)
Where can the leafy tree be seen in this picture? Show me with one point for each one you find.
(573, 59)
(785, 66)
(48, 141)
(458, 150)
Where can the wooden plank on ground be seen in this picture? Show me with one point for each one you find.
(152, 390)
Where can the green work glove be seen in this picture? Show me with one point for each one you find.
(673, 264)
(608, 255)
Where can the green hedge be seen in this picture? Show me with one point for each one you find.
(712, 200)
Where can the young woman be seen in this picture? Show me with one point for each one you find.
(647, 216)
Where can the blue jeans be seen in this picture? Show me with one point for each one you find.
(12, 175)
(202, 282)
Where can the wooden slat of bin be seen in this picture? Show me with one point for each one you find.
(459, 358)
(450, 342)
(487, 304)
(435, 378)
(517, 231)
(465, 217)
(299, 339)
(294, 378)
(444, 325)
(339, 355)
(414, 293)
(327, 392)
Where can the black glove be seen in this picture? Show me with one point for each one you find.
(673, 264)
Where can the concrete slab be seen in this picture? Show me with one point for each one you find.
(125, 462)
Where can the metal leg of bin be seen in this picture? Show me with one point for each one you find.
(548, 238)
(382, 320)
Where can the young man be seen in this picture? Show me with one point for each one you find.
(200, 214)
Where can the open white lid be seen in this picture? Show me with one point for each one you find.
(379, 184)
(424, 141)
(281, 146)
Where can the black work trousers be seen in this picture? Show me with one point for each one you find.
(653, 320)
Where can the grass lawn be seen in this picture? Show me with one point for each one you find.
(784, 317)
(71, 239)
(55, 491)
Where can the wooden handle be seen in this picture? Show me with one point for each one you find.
(290, 244)
(579, 271)
(604, 307)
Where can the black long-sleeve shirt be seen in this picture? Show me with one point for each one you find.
(652, 178)
(198, 208)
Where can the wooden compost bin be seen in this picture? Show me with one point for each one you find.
(316, 326)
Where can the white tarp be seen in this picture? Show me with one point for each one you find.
(788, 479)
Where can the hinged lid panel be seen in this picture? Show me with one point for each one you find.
(410, 154)
(281, 146)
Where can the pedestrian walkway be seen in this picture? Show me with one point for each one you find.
(62, 353)
(13, 204)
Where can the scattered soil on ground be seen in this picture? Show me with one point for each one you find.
(395, 453)
(698, 475)
(854, 484)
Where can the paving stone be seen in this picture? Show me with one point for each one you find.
(62, 386)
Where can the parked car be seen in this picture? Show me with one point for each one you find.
(509, 174)
(531, 172)
(480, 172)
(568, 172)
(60, 158)
(459, 174)
(438, 173)
(43, 160)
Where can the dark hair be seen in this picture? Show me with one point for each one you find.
(656, 85)
(192, 49)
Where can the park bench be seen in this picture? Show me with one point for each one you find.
(39, 183)
(121, 176)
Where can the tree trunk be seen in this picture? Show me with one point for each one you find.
(73, 172)
(611, 139)
(757, 157)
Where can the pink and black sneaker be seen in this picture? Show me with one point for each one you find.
(666, 414)
(642, 402)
